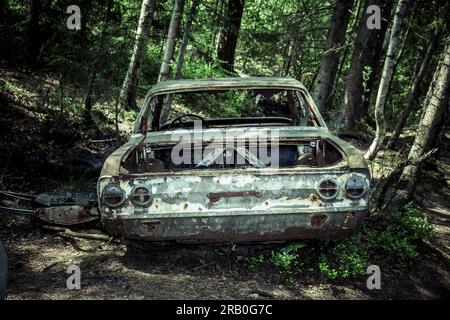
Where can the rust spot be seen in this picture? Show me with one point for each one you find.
(314, 197)
(215, 196)
(151, 225)
(68, 215)
(318, 219)
(350, 214)
(185, 205)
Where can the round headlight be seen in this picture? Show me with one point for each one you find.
(113, 195)
(141, 196)
(355, 187)
(327, 189)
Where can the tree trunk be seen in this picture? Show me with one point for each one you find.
(375, 82)
(172, 34)
(226, 49)
(292, 53)
(365, 57)
(388, 71)
(324, 84)
(433, 119)
(129, 86)
(181, 54)
(414, 91)
(186, 35)
(87, 112)
(217, 16)
(34, 41)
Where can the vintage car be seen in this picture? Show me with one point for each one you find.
(233, 159)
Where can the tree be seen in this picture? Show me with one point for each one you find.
(181, 54)
(186, 35)
(87, 112)
(325, 80)
(365, 58)
(226, 49)
(33, 44)
(129, 86)
(433, 121)
(414, 91)
(388, 71)
(169, 49)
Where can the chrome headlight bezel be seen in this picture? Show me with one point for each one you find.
(145, 203)
(118, 191)
(324, 196)
(362, 185)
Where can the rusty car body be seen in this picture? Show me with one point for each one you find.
(319, 188)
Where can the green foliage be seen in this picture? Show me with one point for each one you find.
(194, 69)
(275, 39)
(393, 238)
(256, 261)
(366, 76)
(348, 258)
(413, 223)
(286, 261)
(6, 86)
(397, 242)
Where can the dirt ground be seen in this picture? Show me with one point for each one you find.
(38, 259)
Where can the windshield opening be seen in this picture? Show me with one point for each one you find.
(234, 107)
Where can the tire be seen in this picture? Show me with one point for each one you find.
(3, 272)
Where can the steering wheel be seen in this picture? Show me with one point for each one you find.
(178, 119)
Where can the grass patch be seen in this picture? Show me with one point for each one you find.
(393, 239)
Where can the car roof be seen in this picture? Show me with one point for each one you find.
(224, 83)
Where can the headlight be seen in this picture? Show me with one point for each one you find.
(355, 187)
(141, 195)
(327, 189)
(113, 195)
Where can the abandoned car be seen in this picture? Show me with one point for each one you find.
(233, 159)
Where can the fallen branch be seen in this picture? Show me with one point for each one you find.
(104, 140)
(68, 232)
(264, 294)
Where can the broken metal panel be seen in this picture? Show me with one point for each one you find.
(244, 204)
(49, 199)
(68, 215)
(181, 194)
(113, 162)
(239, 228)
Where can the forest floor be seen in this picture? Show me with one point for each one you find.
(38, 259)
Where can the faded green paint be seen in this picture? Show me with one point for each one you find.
(261, 203)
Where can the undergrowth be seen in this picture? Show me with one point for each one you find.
(390, 238)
